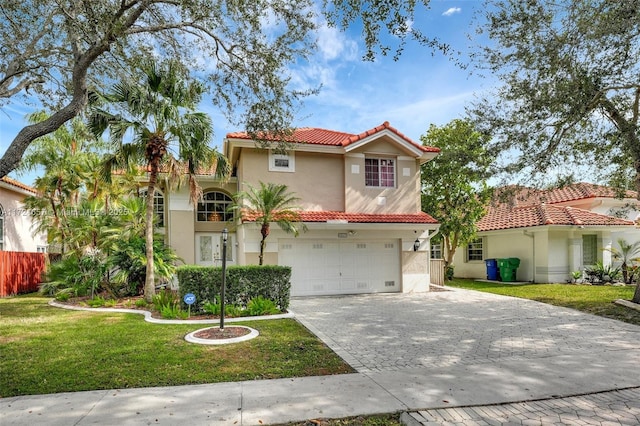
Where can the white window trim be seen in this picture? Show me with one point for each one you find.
(157, 194)
(483, 242)
(395, 171)
(226, 202)
(437, 248)
(290, 156)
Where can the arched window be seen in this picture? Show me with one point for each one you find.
(158, 206)
(1, 228)
(214, 207)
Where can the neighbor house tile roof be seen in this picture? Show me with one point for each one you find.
(13, 182)
(545, 214)
(525, 196)
(522, 207)
(330, 216)
(316, 136)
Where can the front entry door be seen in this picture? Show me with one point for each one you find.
(209, 249)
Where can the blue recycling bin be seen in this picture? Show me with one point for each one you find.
(493, 273)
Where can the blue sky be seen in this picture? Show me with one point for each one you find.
(412, 93)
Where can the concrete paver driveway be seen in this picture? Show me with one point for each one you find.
(389, 332)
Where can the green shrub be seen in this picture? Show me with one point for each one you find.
(141, 303)
(165, 298)
(63, 295)
(243, 283)
(229, 310)
(129, 262)
(211, 308)
(261, 306)
(96, 302)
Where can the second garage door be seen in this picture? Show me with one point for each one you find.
(326, 267)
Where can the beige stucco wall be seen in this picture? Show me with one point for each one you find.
(182, 234)
(18, 234)
(404, 198)
(318, 180)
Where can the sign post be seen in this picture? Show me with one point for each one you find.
(189, 299)
(225, 235)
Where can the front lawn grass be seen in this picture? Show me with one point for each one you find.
(49, 350)
(593, 299)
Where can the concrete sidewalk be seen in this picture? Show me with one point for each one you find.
(412, 352)
(279, 401)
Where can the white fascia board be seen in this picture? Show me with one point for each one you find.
(386, 132)
(16, 189)
(355, 226)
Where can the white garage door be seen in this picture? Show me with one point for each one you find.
(325, 267)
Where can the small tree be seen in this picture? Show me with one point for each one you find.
(628, 254)
(270, 203)
(454, 191)
(149, 118)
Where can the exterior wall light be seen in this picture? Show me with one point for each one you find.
(416, 245)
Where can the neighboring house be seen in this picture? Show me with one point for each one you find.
(552, 232)
(16, 225)
(359, 196)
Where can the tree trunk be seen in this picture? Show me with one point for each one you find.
(263, 243)
(28, 134)
(264, 230)
(150, 281)
(636, 294)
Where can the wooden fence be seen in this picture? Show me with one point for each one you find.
(20, 272)
(437, 271)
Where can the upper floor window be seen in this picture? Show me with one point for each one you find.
(380, 172)
(158, 206)
(1, 228)
(475, 250)
(215, 207)
(282, 162)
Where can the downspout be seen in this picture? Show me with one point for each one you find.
(429, 237)
(533, 242)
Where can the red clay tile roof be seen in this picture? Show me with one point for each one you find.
(524, 196)
(327, 216)
(315, 136)
(17, 184)
(503, 217)
(583, 190)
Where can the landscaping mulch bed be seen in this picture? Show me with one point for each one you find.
(224, 333)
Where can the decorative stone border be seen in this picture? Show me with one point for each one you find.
(628, 304)
(149, 318)
(192, 339)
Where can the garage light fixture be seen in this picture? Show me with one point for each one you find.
(416, 245)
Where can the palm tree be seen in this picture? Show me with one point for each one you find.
(164, 131)
(628, 254)
(269, 203)
(65, 156)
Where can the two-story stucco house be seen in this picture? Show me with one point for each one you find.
(16, 226)
(553, 232)
(359, 197)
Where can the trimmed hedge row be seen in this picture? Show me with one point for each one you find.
(243, 284)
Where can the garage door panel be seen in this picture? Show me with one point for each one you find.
(327, 267)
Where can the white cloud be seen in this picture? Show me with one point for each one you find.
(333, 44)
(451, 11)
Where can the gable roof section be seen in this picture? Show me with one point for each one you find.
(324, 137)
(333, 216)
(583, 190)
(504, 217)
(519, 196)
(13, 184)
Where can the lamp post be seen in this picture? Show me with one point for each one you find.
(225, 235)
